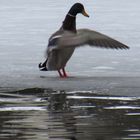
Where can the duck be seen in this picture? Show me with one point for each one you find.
(62, 43)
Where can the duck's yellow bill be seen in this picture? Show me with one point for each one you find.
(85, 13)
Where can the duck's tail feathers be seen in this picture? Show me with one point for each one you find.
(42, 66)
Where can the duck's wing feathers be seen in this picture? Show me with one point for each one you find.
(89, 37)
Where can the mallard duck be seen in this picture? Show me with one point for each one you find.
(64, 41)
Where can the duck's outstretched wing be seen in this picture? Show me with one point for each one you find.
(89, 37)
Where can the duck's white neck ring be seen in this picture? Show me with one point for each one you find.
(71, 15)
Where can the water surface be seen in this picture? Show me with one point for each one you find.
(42, 114)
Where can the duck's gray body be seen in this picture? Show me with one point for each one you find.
(57, 58)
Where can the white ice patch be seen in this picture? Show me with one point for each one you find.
(115, 62)
(133, 114)
(104, 98)
(122, 107)
(103, 68)
(22, 108)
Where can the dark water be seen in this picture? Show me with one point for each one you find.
(43, 114)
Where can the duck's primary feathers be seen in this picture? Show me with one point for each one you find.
(63, 42)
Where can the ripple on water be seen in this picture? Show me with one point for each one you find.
(48, 114)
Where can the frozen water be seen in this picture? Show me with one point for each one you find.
(27, 25)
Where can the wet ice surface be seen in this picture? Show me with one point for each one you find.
(26, 27)
(100, 100)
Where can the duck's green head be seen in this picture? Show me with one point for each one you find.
(78, 8)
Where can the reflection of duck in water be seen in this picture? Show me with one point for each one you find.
(63, 42)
